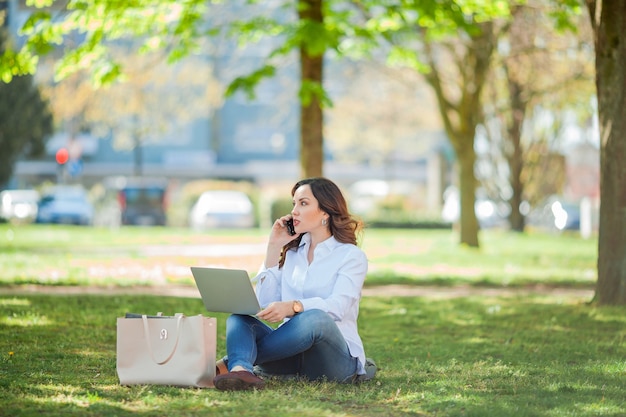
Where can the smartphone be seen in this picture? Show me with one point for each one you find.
(290, 229)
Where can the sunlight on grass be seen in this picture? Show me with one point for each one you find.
(79, 401)
(71, 395)
(14, 302)
(25, 319)
(617, 368)
(71, 398)
(450, 357)
(502, 353)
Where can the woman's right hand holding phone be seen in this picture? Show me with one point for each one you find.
(279, 237)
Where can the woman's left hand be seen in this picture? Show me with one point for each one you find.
(276, 311)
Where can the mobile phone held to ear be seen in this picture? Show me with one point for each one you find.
(290, 229)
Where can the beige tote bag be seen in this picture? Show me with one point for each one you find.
(166, 350)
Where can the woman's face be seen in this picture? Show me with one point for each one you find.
(306, 212)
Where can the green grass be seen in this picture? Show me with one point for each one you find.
(479, 356)
(504, 259)
(530, 355)
(128, 256)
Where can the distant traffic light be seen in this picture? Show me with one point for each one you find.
(62, 156)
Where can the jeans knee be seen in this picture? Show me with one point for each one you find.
(316, 319)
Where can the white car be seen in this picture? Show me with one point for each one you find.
(19, 205)
(222, 209)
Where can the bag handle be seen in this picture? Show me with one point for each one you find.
(146, 331)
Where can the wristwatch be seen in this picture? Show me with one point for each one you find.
(297, 307)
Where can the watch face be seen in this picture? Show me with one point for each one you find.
(297, 307)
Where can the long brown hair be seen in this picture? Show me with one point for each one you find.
(342, 225)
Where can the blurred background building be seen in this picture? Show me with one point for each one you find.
(237, 139)
(181, 128)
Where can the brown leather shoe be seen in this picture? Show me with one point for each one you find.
(238, 381)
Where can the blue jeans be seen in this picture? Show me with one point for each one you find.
(309, 345)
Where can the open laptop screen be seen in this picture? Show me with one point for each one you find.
(226, 290)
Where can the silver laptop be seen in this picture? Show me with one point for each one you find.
(226, 290)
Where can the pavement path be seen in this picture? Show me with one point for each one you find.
(378, 291)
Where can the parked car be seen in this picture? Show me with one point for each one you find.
(19, 206)
(556, 213)
(222, 209)
(489, 213)
(365, 195)
(140, 201)
(65, 205)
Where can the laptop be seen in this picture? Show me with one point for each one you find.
(226, 290)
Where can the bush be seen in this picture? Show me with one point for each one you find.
(395, 211)
(409, 224)
(391, 212)
(280, 207)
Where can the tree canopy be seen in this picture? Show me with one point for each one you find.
(427, 35)
(25, 120)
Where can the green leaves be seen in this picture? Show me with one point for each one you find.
(563, 13)
(25, 120)
(403, 57)
(12, 64)
(310, 90)
(248, 83)
(316, 38)
(88, 28)
(178, 26)
(39, 3)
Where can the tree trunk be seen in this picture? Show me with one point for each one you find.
(609, 24)
(515, 157)
(467, 189)
(311, 113)
(461, 111)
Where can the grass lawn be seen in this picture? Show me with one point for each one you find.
(530, 355)
(477, 356)
(147, 256)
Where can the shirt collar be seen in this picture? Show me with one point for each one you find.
(328, 245)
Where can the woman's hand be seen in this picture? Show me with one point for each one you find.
(279, 234)
(277, 311)
(279, 237)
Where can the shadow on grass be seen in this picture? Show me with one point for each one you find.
(445, 281)
(495, 356)
(480, 356)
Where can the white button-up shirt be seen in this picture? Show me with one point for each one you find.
(331, 283)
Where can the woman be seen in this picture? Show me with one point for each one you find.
(311, 281)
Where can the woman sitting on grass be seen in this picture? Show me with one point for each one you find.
(311, 281)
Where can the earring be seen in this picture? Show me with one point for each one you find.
(324, 222)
